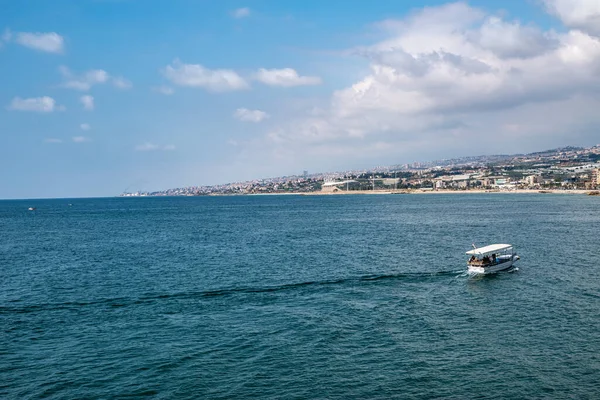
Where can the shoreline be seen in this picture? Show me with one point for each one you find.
(446, 191)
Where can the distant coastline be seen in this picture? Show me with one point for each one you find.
(447, 191)
(569, 170)
(402, 192)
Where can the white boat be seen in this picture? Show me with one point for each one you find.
(492, 258)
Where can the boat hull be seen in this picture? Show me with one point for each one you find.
(490, 269)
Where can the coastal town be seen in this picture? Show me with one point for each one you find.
(566, 169)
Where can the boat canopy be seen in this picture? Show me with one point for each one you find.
(492, 248)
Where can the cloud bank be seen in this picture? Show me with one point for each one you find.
(453, 79)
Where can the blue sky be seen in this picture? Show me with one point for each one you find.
(99, 96)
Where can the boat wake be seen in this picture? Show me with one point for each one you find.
(357, 280)
(411, 276)
(124, 301)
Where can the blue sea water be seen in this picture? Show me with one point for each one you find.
(300, 297)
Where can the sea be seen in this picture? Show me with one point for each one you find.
(299, 297)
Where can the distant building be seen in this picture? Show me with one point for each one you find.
(390, 181)
(596, 177)
(452, 182)
(533, 180)
(490, 181)
(461, 178)
(462, 184)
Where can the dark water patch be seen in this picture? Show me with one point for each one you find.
(124, 302)
(413, 277)
(71, 305)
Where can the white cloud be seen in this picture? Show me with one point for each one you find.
(88, 79)
(87, 101)
(511, 39)
(240, 13)
(244, 114)
(153, 147)
(195, 75)
(166, 90)
(577, 14)
(122, 83)
(81, 139)
(465, 75)
(147, 147)
(285, 77)
(52, 140)
(84, 81)
(50, 42)
(38, 104)
(449, 80)
(85, 127)
(6, 36)
(221, 80)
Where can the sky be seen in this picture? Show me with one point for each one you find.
(102, 96)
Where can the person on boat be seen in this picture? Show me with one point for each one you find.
(494, 258)
(486, 260)
(472, 259)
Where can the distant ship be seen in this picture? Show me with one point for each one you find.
(31, 209)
